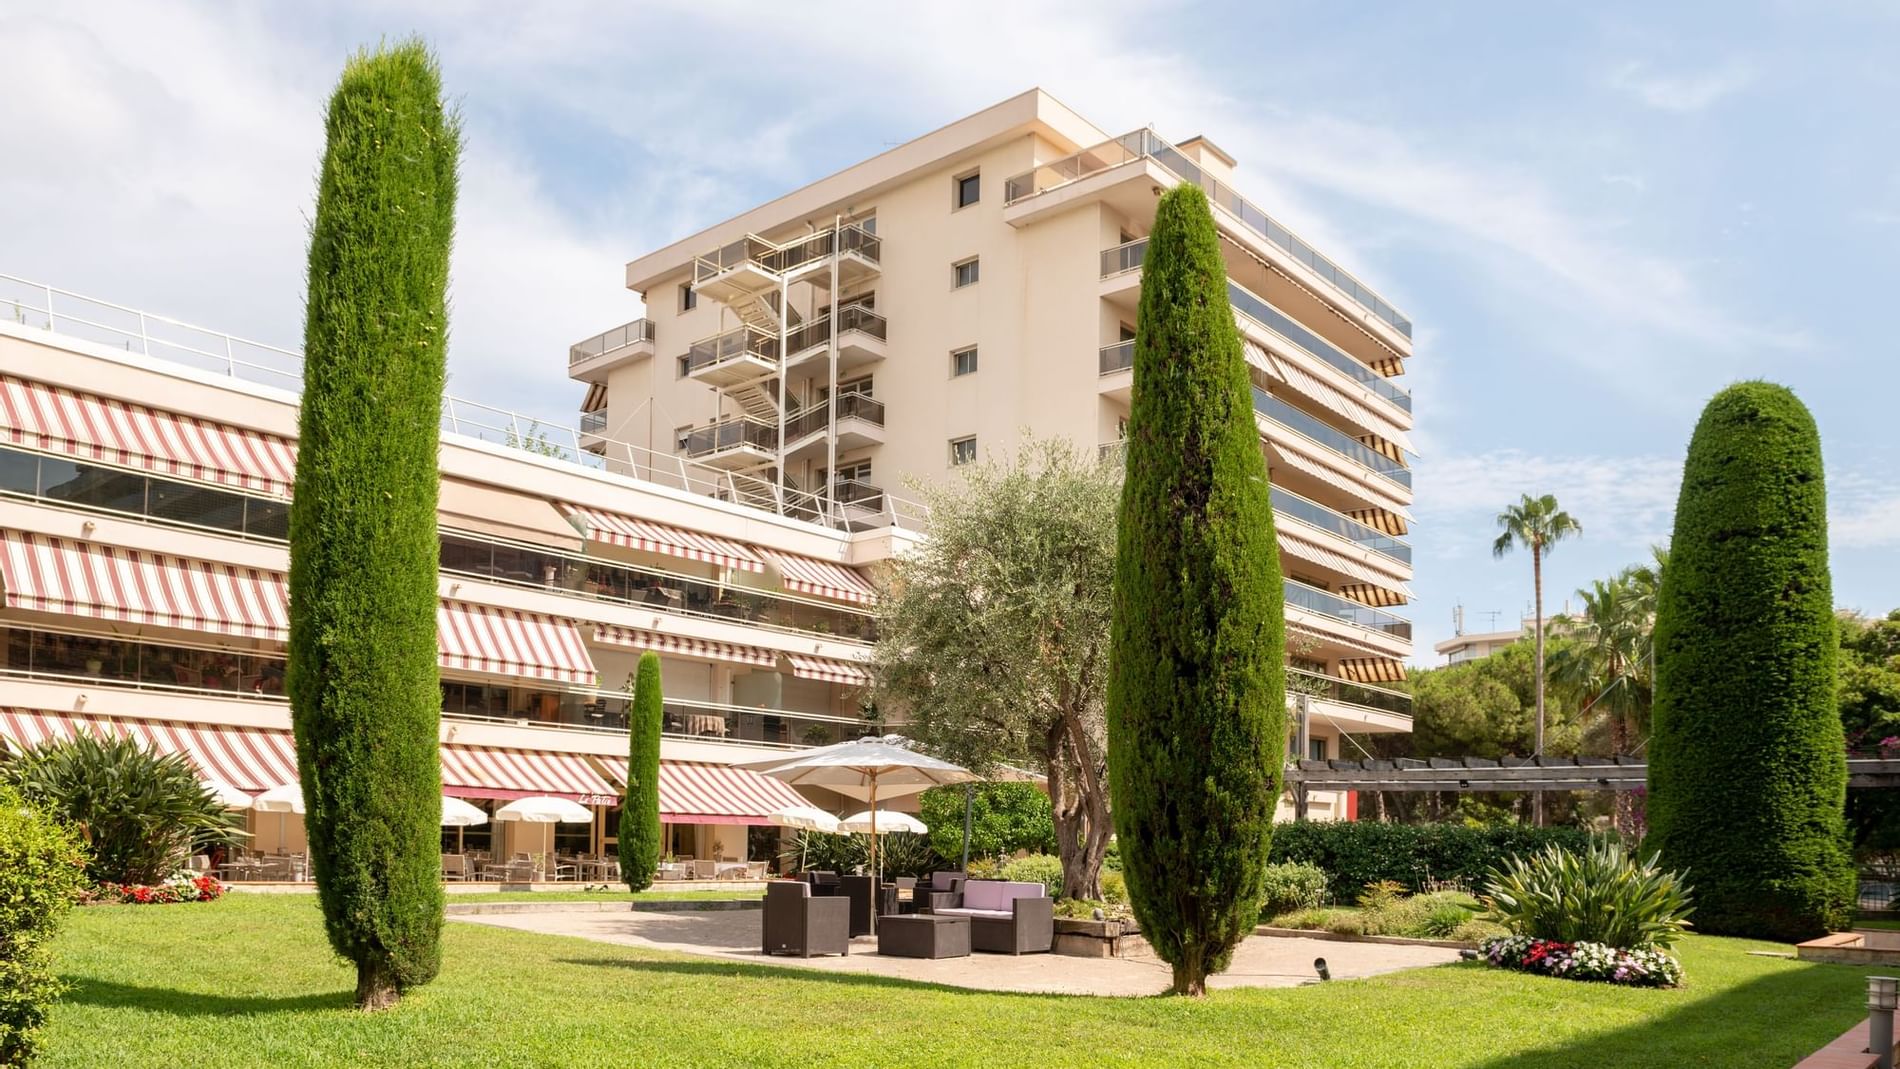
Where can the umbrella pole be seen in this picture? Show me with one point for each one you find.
(877, 884)
(969, 801)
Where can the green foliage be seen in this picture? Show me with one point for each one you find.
(1114, 888)
(1596, 895)
(815, 851)
(362, 681)
(1747, 767)
(903, 854)
(986, 868)
(1197, 694)
(1870, 714)
(141, 815)
(1380, 894)
(639, 834)
(1292, 886)
(995, 632)
(1441, 915)
(1036, 868)
(42, 870)
(1005, 818)
(1354, 854)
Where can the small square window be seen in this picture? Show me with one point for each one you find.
(682, 362)
(969, 189)
(962, 451)
(963, 273)
(688, 299)
(963, 362)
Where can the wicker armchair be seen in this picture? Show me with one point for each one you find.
(796, 923)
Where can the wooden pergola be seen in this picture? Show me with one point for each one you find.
(1520, 774)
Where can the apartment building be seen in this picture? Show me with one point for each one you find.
(145, 471)
(920, 310)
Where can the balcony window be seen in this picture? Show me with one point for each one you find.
(962, 451)
(688, 299)
(963, 362)
(963, 273)
(969, 189)
(1316, 749)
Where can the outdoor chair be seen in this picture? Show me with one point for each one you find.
(755, 870)
(823, 884)
(705, 870)
(1006, 918)
(557, 870)
(454, 867)
(940, 883)
(862, 893)
(796, 923)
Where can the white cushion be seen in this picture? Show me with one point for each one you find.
(964, 911)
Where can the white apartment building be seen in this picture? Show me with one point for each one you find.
(922, 309)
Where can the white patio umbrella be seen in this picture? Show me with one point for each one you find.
(883, 822)
(458, 814)
(286, 798)
(542, 809)
(804, 818)
(230, 797)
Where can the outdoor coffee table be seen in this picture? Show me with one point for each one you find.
(923, 935)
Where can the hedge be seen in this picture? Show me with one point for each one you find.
(42, 872)
(1356, 853)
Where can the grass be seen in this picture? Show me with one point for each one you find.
(249, 981)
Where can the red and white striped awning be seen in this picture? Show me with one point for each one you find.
(681, 646)
(822, 578)
(620, 530)
(44, 573)
(478, 638)
(1295, 545)
(492, 772)
(805, 666)
(693, 792)
(251, 759)
(105, 429)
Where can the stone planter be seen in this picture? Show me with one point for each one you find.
(1080, 938)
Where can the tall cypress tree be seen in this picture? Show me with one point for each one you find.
(1196, 698)
(1747, 765)
(640, 809)
(365, 700)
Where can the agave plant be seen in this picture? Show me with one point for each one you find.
(1600, 895)
(140, 814)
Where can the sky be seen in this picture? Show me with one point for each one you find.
(1595, 217)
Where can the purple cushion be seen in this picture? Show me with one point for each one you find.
(1012, 891)
(984, 894)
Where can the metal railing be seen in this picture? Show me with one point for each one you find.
(776, 258)
(861, 406)
(1313, 599)
(33, 304)
(609, 341)
(1336, 440)
(731, 345)
(1127, 257)
(1346, 692)
(593, 422)
(818, 331)
(735, 433)
(1146, 144)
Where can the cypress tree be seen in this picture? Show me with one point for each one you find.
(365, 699)
(640, 809)
(1196, 698)
(1747, 766)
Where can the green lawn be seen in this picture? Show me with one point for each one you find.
(248, 981)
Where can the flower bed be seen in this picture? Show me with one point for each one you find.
(1641, 967)
(198, 889)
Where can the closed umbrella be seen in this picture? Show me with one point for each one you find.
(883, 822)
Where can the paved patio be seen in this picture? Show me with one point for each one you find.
(1261, 961)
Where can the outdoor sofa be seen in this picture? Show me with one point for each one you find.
(1005, 918)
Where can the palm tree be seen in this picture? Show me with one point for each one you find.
(1537, 524)
(1608, 664)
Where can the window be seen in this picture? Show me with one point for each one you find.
(1127, 333)
(688, 299)
(681, 360)
(858, 472)
(963, 362)
(962, 451)
(963, 273)
(1316, 749)
(969, 189)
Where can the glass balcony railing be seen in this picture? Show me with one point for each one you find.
(1149, 145)
(1292, 504)
(1118, 357)
(729, 346)
(777, 258)
(593, 422)
(59, 481)
(858, 494)
(608, 341)
(818, 331)
(1128, 257)
(1338, 441)
(606, 710)
(861, 406)
(1313, 599)
(818, 417)
(739, 433)
(1328, 688)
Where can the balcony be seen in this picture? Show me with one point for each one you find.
(1345, 692)
(1145, 145)
(1122, 259)
(744, 354)
(860, 423)
(606, 710)
(752, 264)
(1338, 441)
(733, 444)
(1287, 503)
(1318, 601)
(1118, 357)
(861, 337)
(590, 360)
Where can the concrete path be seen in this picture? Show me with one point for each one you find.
(1261, 961)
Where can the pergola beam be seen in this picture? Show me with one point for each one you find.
(1547, 773)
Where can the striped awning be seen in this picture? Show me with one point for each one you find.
(91, 427)
(596, 399)
(678, 645)
(45, 573)
(1380, 520)
(1372, 670)
(821, 578)
(1332, 639)
(1294, 545)
(1340, 402)
(492, 772)
(694, 792)
(1388, 365)
(479, 638)
(251, 759)
(1289, 449)
(621, 530)
(1376, 596)
(851, 674)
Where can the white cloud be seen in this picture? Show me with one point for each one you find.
(1617, 499)
(1682, 93)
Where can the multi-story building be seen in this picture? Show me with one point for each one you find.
(145, 470)
(922, 309)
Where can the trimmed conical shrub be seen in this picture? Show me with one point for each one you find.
(640, 809)
(1196, 699)
(365, 698)
(1747, 767)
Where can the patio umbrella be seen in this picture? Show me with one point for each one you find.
(542, 809)
(458, 814)
(230, 797)
(860, 769)
(287, 798)
(804, 818)
(883, 822)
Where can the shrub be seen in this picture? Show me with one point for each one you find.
(141, 814)
(639, 842)
(1004, 818)
(182, 889)
(1598, 895)
(1292, 886)
(904, 854)
(815, 851)
(1419, 856)
(1381, 894)
(1036, 868)
(1640, 967)
(1114, 888)
(1443, 919)
(1747, 763)
(985, 868)
(42, 869)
